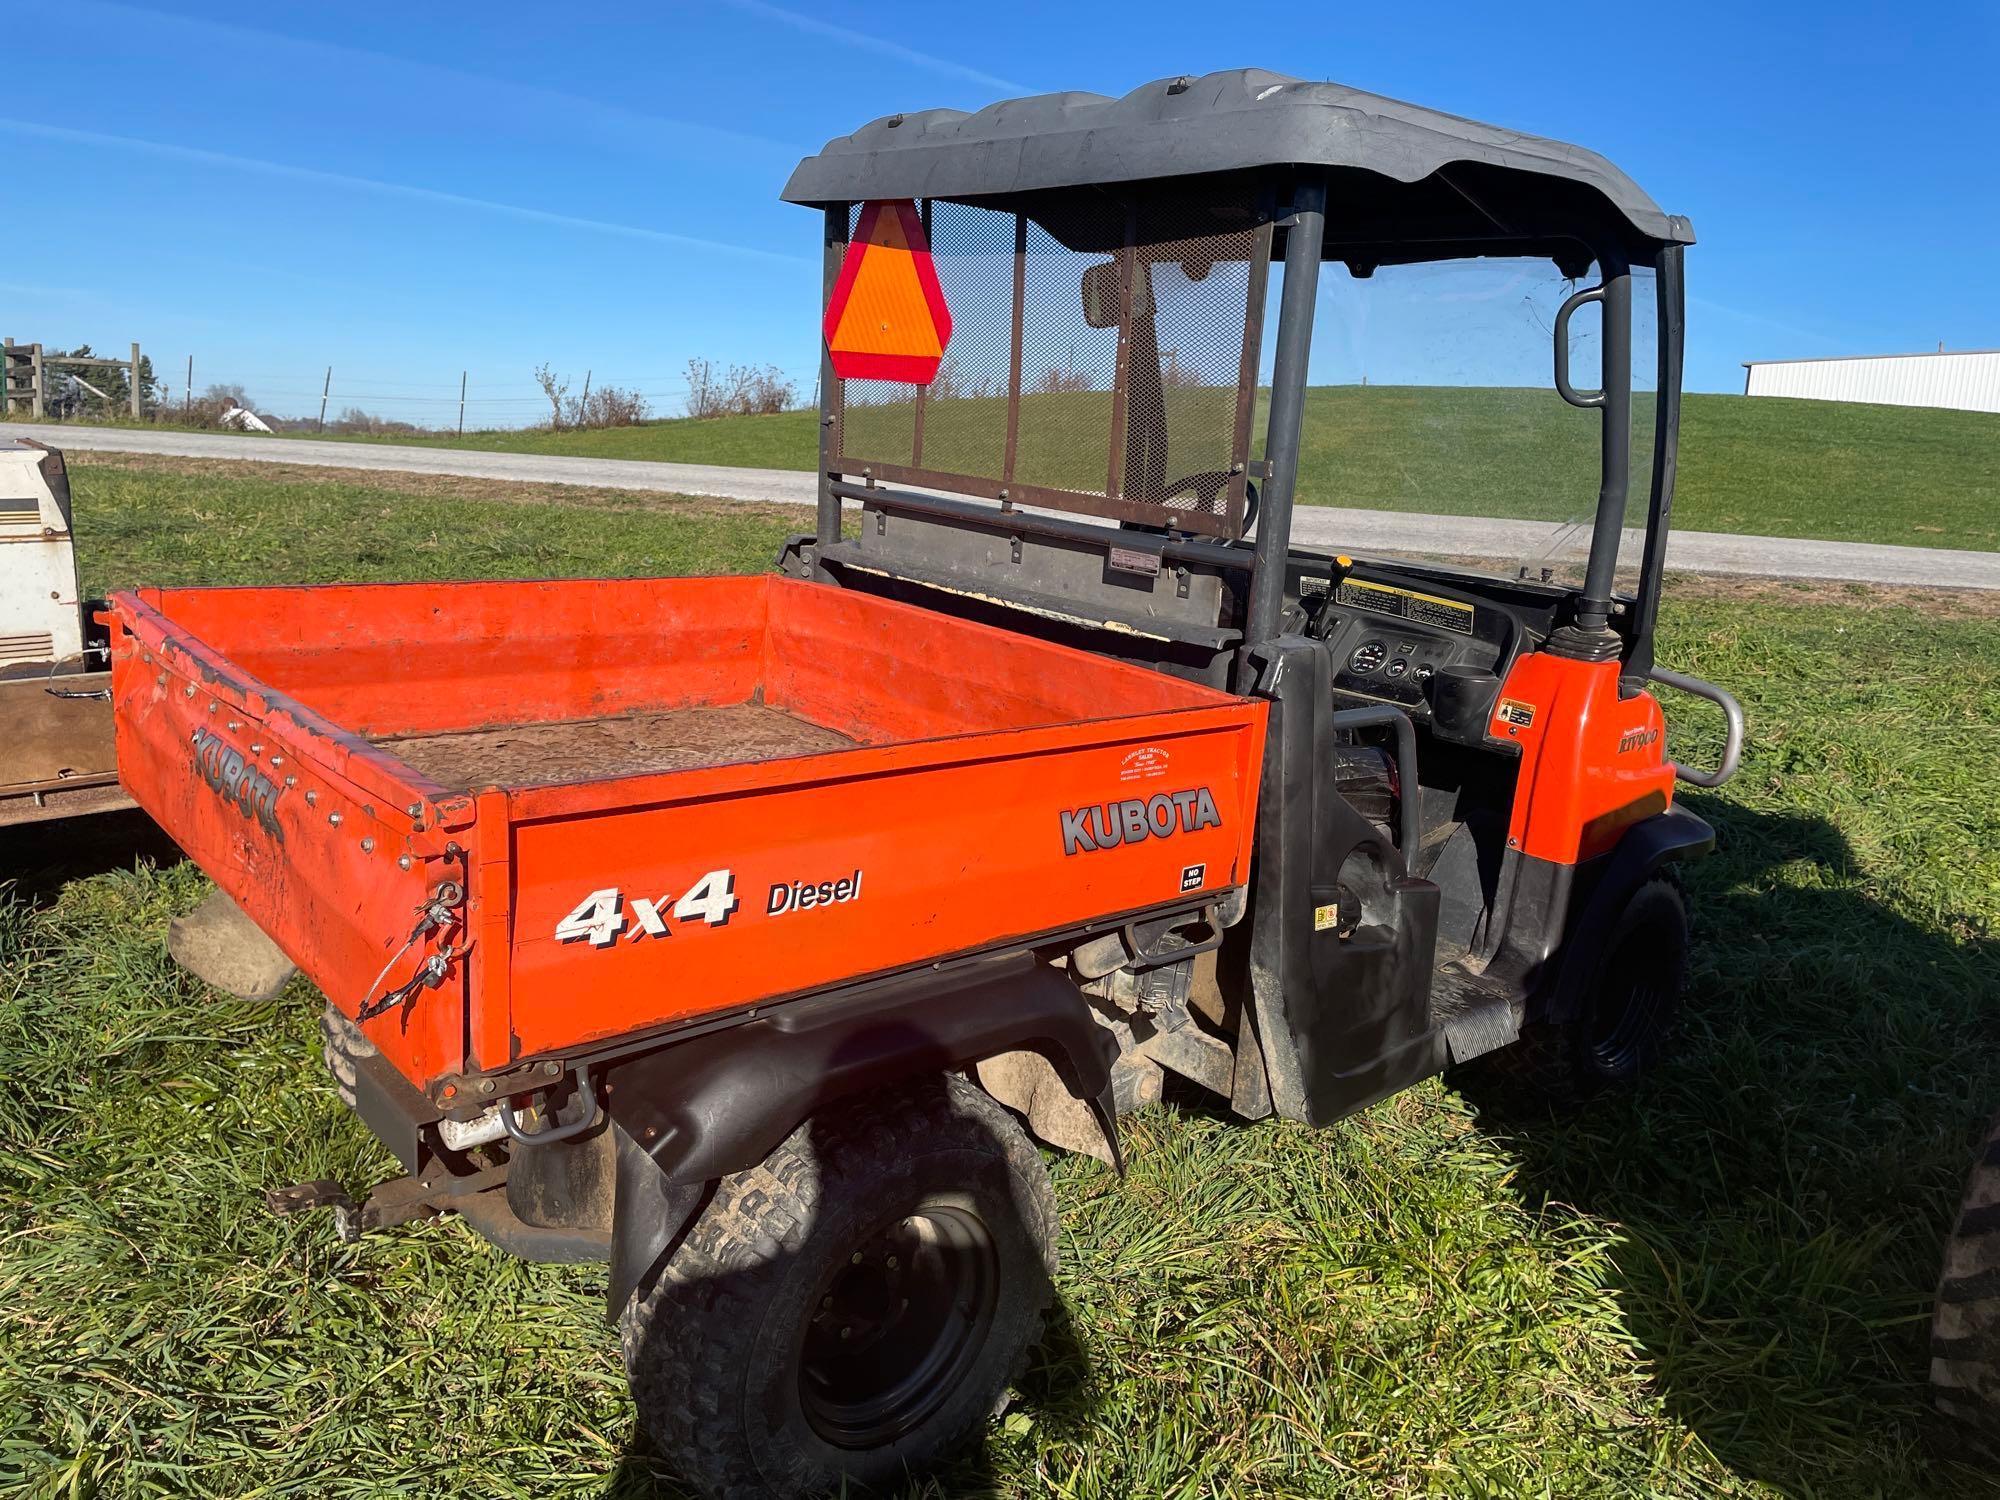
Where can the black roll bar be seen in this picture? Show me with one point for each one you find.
(833, 251)
(1671, 296)
(1613, 402)
(1304, 231)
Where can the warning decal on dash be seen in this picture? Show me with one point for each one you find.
(1405, 604)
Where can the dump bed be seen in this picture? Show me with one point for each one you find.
(664, 800)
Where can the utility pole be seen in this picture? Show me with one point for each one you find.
(461, 403)
(583, 406)
(137, 411)
(187, 396)
(325, 386)
(39, 390)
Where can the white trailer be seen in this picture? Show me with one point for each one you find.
(57, 757)
(41, 615)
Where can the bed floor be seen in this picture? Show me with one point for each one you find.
(629, 744)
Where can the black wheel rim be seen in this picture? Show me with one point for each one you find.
(897, 1327)
(1641, 976)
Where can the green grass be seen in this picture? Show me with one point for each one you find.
(1715, 1286)
(784, 440)
(144, 523)
(1830, 470)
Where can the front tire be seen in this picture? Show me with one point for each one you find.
(854, 1305)
(1630, 1002)
(1635, 996)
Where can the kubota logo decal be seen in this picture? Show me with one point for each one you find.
(1106, 825)
(238, 782)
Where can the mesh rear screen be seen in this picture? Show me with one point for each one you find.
(1146, 418)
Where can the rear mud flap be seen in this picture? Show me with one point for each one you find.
(695, 1111)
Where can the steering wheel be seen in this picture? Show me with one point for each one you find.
(1208, 485)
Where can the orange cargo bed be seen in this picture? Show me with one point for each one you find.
(664, 799)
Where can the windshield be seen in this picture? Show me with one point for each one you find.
(1433, 414)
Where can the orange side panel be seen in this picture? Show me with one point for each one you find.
(1592, 763)
(861, 862)
(881, 672)
(490, 915)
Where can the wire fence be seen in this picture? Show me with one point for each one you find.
(322, 398)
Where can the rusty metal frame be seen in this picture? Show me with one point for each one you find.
(1014, 349)
(1139, 512)
(923, 391)
(1235, 497)
(1121, 378)
(1112, 505)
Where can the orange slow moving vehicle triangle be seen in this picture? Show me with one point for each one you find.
(887, 318)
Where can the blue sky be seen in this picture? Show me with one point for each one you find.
(403, 192)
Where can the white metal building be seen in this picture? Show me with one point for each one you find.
(1961, 380)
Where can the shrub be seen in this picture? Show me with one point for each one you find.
(1057, 379)
(606, 406)
(739, 391)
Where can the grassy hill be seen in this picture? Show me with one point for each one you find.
(1770, 467)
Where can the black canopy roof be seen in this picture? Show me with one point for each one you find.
(1404, 183)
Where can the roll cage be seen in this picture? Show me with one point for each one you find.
(1243, 169)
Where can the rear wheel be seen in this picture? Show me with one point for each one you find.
(1965, 1326)
(854, 1305)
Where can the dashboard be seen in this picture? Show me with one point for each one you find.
(1437, 651)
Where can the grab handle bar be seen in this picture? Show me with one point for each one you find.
(1564, 389)
(1732, 712)
(555, 1133)
(1377, 714)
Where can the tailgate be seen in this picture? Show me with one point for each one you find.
(317, 836)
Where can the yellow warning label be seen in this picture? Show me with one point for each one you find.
(1514, 711)
(1405, 604)
(1326, 918)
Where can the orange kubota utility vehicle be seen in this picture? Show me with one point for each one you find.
(729, 929)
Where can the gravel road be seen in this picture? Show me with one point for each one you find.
(1324, 526)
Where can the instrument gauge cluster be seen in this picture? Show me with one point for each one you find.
(1435, 646)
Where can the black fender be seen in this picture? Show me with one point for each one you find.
(695, 1111)
(1648, 845)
